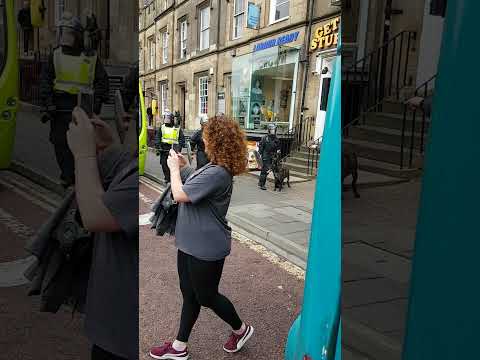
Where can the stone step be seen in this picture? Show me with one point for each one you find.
(301, 160)
(386, 136)
(298, 167)
(393, 107)
(395, 121)
(301, 175)
(380, 167)
(382, 152)
(300, 154)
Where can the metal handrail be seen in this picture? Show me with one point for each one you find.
(418, 92)
(377, 83)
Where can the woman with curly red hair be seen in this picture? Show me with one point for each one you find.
(202, 234)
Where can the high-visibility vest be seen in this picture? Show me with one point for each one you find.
(73, 73)
(154, 107)
(37, 13)
(170, 135)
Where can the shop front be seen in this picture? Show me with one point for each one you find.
(324, 42)
(264, 84)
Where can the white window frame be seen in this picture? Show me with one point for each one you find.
(203, 95)
(59, 10)
(273, 7)
(183, 39)
(204, 28)
(164, 96)
(238, 13)
(151, 49)
(164, 47)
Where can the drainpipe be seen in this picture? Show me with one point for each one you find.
(107, 34)
(386, 38)
(311, 4)
(216, 63)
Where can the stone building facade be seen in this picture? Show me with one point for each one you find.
(118, 21)
(249, 60)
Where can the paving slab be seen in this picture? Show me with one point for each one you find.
(288, 228)
(295, 213)
(371, 291)
(387, 318)
(266, 221)
(388, 264)
(351, 272)
(300, 237)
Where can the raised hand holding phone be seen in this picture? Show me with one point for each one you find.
(85, 101)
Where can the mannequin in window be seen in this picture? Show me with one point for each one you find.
(257, 90)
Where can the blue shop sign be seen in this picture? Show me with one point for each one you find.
(284, 39)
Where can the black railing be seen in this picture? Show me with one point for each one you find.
(313, 149)
(380, 75)
(302, 133)
(421, 91)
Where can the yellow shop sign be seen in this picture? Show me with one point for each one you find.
(325, 36)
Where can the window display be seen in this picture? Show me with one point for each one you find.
(263, 88)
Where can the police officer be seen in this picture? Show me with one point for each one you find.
(197, 142)
(267, 148)
(69, 70)
(168, 137)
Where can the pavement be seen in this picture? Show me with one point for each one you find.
(378, 235)
(264, 294)
(27, 333)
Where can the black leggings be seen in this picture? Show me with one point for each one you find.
(199, 282)
(99, 354)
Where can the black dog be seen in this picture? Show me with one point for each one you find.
(280, 172)
(350, 167)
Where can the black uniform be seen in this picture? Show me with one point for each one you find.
(267, 148)
(164, 149)
(25, 21)
(64, 104)
(197, 142)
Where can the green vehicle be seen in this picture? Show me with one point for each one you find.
(142, 140)
(8, 81)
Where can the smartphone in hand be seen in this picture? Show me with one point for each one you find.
(85, 101)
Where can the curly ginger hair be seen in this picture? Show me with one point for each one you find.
(225, 144)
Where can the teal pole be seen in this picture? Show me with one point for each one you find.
(443, 318)
(315, 334)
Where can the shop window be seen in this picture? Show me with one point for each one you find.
(279, 10)
(238, 18)
(183, 39)
(203, 95)
(164, 96)
(164, 47)
(204, 28)
(263, 88)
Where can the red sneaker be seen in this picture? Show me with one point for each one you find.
(166, 351)
(235, 342)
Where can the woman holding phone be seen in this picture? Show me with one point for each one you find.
(203, 237)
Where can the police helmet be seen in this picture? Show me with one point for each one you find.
(71, 22)
(203, 120)
(272, 129)
(70, 31)
(168, 117)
